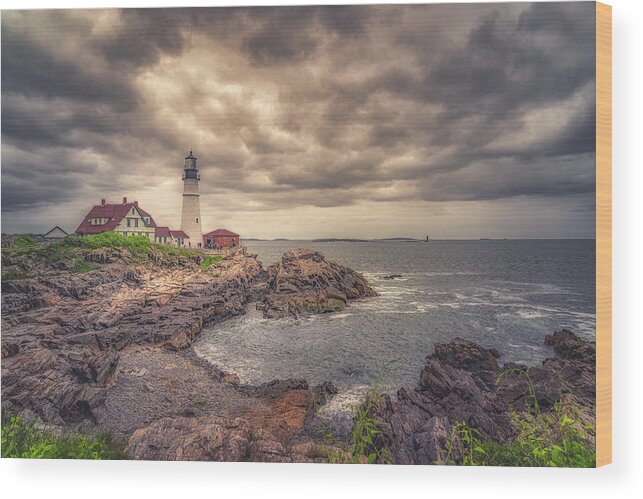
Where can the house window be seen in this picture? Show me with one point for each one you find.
(129, 222)
(132, 210)
(136, 222)
(197, 220)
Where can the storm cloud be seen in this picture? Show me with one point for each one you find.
(463, 120)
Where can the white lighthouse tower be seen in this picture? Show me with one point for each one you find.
(191, 211)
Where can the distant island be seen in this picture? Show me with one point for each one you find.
(397, 239)
(339, 240)
(352, 240)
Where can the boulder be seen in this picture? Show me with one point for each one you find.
(305, 282)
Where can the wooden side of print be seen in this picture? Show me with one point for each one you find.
(603, 234)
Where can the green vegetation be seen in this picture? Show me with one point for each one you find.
(554, 439)
(60, 250)
(14, 276)
(83, 266)
(546, 441)
(365, 430)
(363, 447)
(23, 440)
(21, 243)
(170, 250)
(24, 241)
(137, 245)
(209, 260)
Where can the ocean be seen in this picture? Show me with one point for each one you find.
(506, 294)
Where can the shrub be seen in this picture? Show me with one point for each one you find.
(363, 447)
(545, 442)
(137, 245)
(24, 241)
(59, 251)
(23, 440)
(554, 439)
(21, 244)
(364, 433)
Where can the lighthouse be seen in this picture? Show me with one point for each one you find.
(191, 211)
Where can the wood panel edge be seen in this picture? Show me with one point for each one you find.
(603, 234)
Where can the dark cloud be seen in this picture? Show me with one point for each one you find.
(366, 109)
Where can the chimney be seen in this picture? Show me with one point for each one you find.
(124, 200)
(135, 203)
(102, 202)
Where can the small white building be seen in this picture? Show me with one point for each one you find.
(56, 233)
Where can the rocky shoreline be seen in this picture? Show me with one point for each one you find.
(464, 383)
(109, 349)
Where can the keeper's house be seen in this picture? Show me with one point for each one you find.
(129, 219)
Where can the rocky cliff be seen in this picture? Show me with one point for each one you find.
(463, 382)
(63, 332)
(98, 339)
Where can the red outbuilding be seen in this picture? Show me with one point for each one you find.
(220, 238)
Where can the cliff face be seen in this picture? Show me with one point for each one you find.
(63, 332)
(305, 282)
(107, 347)
(463, 382)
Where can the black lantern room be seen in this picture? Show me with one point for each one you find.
(190, 170)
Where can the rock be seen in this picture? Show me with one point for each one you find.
(70, 341)
(210, 438)
(10, 348)
(192, 439)
(305, 282)
(390, 277)
(569, 346)
(233, 379)
(99, 368)
(324, 392)
(463, 382)
(79, 322)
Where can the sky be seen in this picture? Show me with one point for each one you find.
(458, 121)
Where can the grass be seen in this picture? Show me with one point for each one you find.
(14, 276)
(59, 251)
(24, 241)
(209, 260)
(22, 244)
(363, 447)
(171, 250)
(83, 266)
(137, 245)
(554, 439)
(23, 440)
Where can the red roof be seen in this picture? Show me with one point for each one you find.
(220, 232)
(179, 234)
(146, 214)
(161, 232)
(113, 212)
